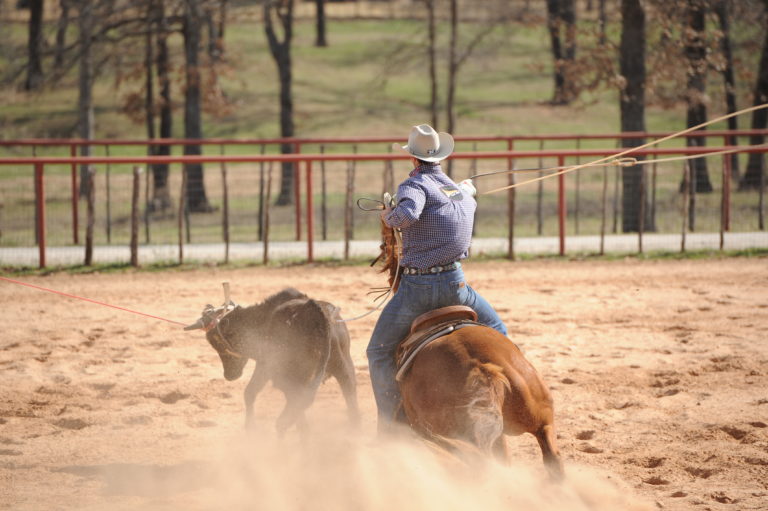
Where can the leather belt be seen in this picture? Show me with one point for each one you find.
(431, 271)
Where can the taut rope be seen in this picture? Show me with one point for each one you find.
(617, 159)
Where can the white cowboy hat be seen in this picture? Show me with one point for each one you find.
(426, 144)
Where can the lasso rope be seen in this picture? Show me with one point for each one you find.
(88, 300)
(617, 159)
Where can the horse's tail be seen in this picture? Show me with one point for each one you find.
(486, 387)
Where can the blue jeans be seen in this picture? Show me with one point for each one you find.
(416, 295)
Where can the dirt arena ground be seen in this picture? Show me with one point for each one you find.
(659, 372)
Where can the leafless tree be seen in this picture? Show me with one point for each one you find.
(722, 9)
(35, 46)
(754, 177)
(561, 22)
(632, 107)
(280, 49)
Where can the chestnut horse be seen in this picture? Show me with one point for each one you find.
(473, 386)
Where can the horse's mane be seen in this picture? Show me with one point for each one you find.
(389, 255)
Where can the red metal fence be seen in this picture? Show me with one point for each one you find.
(509, 156)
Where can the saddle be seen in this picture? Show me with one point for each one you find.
(428, 327)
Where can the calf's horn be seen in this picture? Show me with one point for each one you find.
(195, 326)
(225, 284)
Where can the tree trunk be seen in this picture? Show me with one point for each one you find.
(602, 22)
(753, 177)
(723, 15)
(35, 46)
(281, 52)
(85, 115)
(432, 57)
(149, 87)
(562, 14)
(196, 199)
(695, 51)
(222, 21)
(161, 193)
(61, 34)
(453, 67)
(320, 39)
(632, 106)
(553, 24)
(450, 99)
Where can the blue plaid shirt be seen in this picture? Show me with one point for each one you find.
(435, 217)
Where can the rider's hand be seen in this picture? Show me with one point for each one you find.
(468, 187)
(384, 213)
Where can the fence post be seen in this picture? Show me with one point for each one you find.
(109, 199)
(225, 207)
(75, 193)
(40, 210)
(561, 204)
(761, 199)
(686, 205)
(511, 204)
(577, 197)
(267, 198)
(182, 212)
(641, 220)
(348, 210)
(135, 217)
(692, 180)
(261, 196)
(725, 199)
(148, 174)
(323, 196)
(91, 216)
(603, 211)
(540, 195)
(297, 192)
(310, 214)
(616, 201)
(654, 174)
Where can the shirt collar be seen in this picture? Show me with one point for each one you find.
(426, 168)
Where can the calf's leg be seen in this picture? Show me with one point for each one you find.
(258, 379)
(346, 378)
(296, 402)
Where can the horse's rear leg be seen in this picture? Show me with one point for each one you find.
(551, 454)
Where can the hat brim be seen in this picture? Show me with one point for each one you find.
(444, 150)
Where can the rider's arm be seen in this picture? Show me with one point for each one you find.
(410, 204)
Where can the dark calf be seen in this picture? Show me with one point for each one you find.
(297, 343)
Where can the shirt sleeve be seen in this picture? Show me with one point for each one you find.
(410, 204)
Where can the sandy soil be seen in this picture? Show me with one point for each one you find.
(659, 372)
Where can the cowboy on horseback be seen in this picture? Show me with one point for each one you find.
(435, 216)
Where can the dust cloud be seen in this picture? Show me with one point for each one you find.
(343, 471)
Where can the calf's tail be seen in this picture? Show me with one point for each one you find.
(316, 325)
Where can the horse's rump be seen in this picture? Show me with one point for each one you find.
(472, 387)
